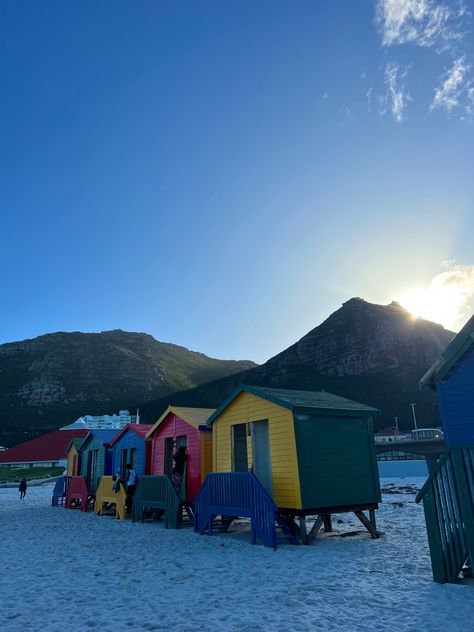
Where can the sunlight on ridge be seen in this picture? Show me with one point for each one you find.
(448, 298)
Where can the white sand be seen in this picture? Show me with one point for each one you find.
(65, 570)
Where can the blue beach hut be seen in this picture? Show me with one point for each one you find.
(130, 446)
(448, 495)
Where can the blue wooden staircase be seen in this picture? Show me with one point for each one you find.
(448, 503)
(239, 494)
(59, 491)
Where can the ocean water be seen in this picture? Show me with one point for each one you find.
(402, 469)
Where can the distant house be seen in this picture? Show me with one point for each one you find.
(104, 422)
(452, 378)
(46, 451)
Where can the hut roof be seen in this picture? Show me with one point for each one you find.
(139, 429)
(75, 442)
(298, 401)
(105, 436)
(194, 416)
(452, 353)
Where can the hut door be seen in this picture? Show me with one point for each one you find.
(262, 464)
(74, 465)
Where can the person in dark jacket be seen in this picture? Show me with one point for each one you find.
(22, 487)
(179, 459)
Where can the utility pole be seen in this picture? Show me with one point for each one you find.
(414, 416)
(396, 426)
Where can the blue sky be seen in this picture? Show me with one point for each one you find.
(223, 175)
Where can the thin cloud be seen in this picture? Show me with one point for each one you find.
(454, 88)
(396, 96)
(424, 23)
(439, 25)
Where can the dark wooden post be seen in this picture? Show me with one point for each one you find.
(327, 523)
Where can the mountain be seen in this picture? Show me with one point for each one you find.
(375, 354)
(51, 380)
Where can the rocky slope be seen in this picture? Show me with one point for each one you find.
(375, 354)
(53, 379)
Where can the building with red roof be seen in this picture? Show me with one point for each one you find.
(48, 450)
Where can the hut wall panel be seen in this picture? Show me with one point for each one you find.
(456, 402)
(336, 461)
(206, 454)
(173, 426)
(128, 441)
(247, 408)
(70, 460)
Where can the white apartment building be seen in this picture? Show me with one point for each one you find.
(105, 422)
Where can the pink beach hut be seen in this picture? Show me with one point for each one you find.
(180, 426)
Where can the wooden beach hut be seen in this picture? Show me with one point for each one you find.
(180, 426)
(280, 455)
(95, 457)
(95, 461)
(72, 469)
(130, 446)
(72, 456)
(177, 427)
(448, 494)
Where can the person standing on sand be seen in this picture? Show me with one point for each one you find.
(179, 459)
(132, 480)
(22, 488)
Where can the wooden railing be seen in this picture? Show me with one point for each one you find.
(236, 494)
(60, 491)
(106, 494)
(157, 493)
(77, 490)
(448, 503)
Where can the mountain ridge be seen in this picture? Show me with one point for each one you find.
(50, 380)
(374, 354)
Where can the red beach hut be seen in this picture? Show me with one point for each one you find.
(180, 426)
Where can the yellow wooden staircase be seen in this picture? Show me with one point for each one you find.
(106, 495)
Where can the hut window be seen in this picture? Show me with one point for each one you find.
(239, 448)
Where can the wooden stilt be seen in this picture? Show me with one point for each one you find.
(372, 518)
(315, 529)
(303, 534)
(327, 523)
(367, 524)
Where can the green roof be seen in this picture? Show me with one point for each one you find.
(452, 353)
(298, 401)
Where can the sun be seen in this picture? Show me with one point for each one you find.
(439, 303)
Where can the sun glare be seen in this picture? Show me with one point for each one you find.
(439, 303)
